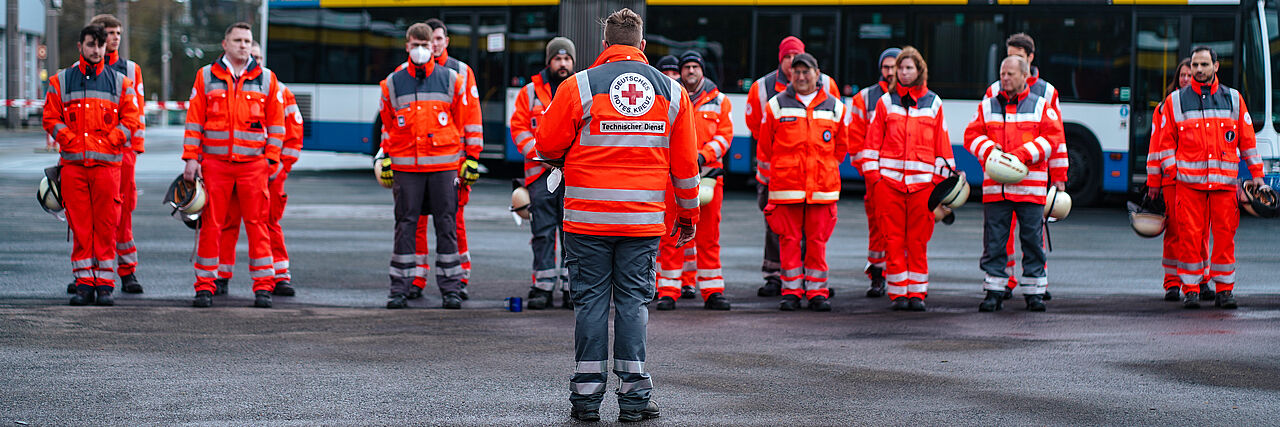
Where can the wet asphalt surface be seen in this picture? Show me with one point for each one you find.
(1108, 351)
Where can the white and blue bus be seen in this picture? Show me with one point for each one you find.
(1111, 62)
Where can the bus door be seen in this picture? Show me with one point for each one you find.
(479, 38)
(1159, 49)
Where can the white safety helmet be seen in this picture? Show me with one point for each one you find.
(1005, 168)
(1147, 222)
(1057, 204)
(382, 169)
(706, 191)
(520, 202)
(187, 200)
(49, 193)
(952, 192)
(1257, 200)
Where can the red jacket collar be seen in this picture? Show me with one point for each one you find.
(1018, 97)
(443, 58)
(425, 69)
(84, 67)
(251, 71)
(916, 91)
(1213, 86)
(817, 100)
(620, 52)
(111, 58)
(884, 85)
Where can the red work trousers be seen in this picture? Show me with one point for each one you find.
(243, 185)
(674, 263)
(908, 225)
(91, 197)
(1169, 260)
(231, 233)
(423, 247)
(1199, 213)
(126, 250)
(803, 230)
(875, 236)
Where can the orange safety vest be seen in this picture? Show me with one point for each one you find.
(804, 145)
(420, 108)
(1059, 161)
(1024, 127)
(470, 122)
(234, 119)
(908, 145)
(293, 130)
(1206, 130)
(764, 89)
(711, 123)
(624, 131)
(533, 98)
(131, 70)
(91, 111)
(857, 116)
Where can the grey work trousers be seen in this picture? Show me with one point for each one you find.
(995, 236)
(425, 193)
(772, 265)
(604, 269)
(547, 211)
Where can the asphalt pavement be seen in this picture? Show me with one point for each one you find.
(1109, 350)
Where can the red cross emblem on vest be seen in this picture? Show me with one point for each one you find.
(632, 94)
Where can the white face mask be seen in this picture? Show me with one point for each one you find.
(420, 55)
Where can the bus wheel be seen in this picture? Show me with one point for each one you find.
(1084, 175)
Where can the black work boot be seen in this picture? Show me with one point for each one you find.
(585, 414)
(819, 303)
(993, 302)
(203, 299)
(687, 292)
(71, 288)
(539, 299)
(915, 304)
(898, 304)
(451, 300)
(284, 288)
(1035, 302)
(666, 304)
(129, 284)
(1173, 294)
(220, 286)
(1047, 296)
(1191, 300)
(772, 288)
(464, 293)
(1008, 293)
(1225, 300)
(877, 288)
(717, 301)
(565, 301)
(397, 301)
(104, 296)
(84, 295)
(633, 415)
(414, 293)
(262, 299)
(1207, 293)
(789, 303)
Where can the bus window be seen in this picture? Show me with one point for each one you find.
(867, 35)
(1086, 56)
(1219, 34)
(716, 32)
(962, 51)
(293, 44)
(531, 29)
(1252, 80)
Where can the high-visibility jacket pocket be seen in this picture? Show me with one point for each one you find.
(217, 111)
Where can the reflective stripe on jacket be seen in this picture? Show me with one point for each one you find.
(625, 132)
(1059, 161)
(908, 145)
(1024, 128)
(292, 148)
(858, 116)
(234, 119)
(420, 108)
(712, 128)
(91, 111)
(805, 145)
(1207, 131)
(130, 69)
(764, 89)
(532, 100)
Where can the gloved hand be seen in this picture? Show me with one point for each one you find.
(702, 160)
(684, 226)
(385, 177)
(469, 172)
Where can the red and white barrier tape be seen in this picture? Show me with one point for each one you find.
(150, 106)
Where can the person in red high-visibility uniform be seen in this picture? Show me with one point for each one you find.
(1165, 176)
(907, 149)
(1206, 131)
(803, 137)
(278, 199)
(714, 131)
(858, 114)
(761, 91)
(91, 111)
(234, 135)
(127, 250)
